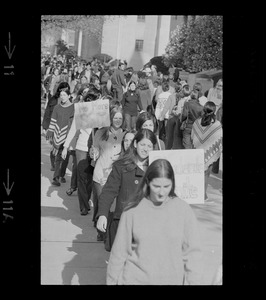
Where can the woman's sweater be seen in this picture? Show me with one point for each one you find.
(153, 243)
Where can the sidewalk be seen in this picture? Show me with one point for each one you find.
(70, 253)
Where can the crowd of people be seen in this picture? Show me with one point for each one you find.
(148, 111)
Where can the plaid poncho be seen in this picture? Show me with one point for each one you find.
(208, 138)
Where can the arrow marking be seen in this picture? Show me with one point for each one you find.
(8, 190)
(9, 47)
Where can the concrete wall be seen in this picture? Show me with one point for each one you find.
(120, 35)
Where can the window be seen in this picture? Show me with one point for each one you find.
(139, 45)
(141, 18)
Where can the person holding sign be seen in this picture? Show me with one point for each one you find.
(157, 240)
(81, 140)
(107, 145)
(123, 181)
(207, 134)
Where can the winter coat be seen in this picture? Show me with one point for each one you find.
(121, 184)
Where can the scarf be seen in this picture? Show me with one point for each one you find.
(208, 138)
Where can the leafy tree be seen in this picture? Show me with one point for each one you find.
(61, 47)
(90, 24)
(197, 45)
(69, 53)
(158, 61)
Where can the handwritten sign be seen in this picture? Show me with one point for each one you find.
(188, 166)
(93, 114)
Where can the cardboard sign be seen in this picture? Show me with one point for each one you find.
(94, 114)
(188, 166)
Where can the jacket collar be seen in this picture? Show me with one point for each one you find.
(138, 171)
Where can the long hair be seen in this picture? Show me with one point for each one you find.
(113, 111)
(159, 168)
(130, 156)
(208, 114)
(143, 117)
(63, 86)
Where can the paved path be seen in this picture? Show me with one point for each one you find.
(70, 253)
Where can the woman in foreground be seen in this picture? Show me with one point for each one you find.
(157, 241)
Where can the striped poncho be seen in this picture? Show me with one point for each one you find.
(208, 138)
(59, 125)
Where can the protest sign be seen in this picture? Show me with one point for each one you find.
(188, 166)
(94, 114)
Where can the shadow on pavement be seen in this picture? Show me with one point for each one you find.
(88, 257)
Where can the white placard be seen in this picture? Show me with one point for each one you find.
(188, 166)
(94, 114)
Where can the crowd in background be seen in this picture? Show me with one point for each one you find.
(148, 111)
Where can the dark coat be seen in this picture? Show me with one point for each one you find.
(192, 110)
(121, 184)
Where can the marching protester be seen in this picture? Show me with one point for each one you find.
(81, 140)
(157, 240)
(173, 137)
(162, 115)
(143, 89)
(191, 111)
(123, 180)
(215, 94)
(130, 103)
(52, 102)
(147, 120)
(60, 123)
(107, 146)
(118, 81)
(206, 133)
(127, 139)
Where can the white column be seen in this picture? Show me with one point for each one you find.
(80, 43)
(118, 39)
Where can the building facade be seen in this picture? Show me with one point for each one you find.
(138, 38)
(134, 38)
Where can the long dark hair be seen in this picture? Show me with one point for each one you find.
(159, 168)
(130, 156)
(143, 117)
(63, 86)
(208, 114)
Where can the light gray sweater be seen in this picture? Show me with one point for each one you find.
(156, 245)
